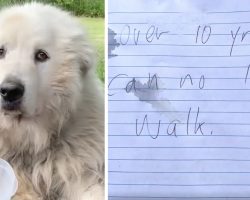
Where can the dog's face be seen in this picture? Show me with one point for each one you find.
(25, 59)
(42, 59)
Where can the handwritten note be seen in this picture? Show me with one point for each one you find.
(179, 99)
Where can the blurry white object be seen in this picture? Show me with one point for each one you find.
(8, 181)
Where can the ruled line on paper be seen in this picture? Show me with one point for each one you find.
(179, 185)
(180, 123)
(187, 56)
(208, 89)
(162, 77)
(158, 147)
(177, 160)
(180, 34)
(178, 197)
(172, 66)
(185, 45)
(175, 12)
(161, 135)
(209, 23)
(178, 111)
(161, 172)
(194, 100)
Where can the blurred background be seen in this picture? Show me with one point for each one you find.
(90, 14)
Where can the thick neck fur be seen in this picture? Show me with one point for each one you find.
(62, 149)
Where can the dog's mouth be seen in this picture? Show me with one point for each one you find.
(15, 113)
(12, 108)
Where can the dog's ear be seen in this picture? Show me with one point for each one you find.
(83, 51)
(86, 56)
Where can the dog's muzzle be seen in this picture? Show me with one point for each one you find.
(11, 91)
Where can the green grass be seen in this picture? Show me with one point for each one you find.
(95, 30)
(90, 8)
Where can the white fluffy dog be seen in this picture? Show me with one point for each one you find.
(51, 107)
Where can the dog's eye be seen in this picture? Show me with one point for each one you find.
(2, 52)
(41, 56)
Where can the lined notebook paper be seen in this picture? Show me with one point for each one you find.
(179, 99)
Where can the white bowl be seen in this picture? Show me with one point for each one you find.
(8, 181)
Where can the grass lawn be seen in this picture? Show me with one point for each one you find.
(95, 29)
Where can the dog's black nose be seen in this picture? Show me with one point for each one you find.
(11, 91)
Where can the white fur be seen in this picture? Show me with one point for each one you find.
(56, 142)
